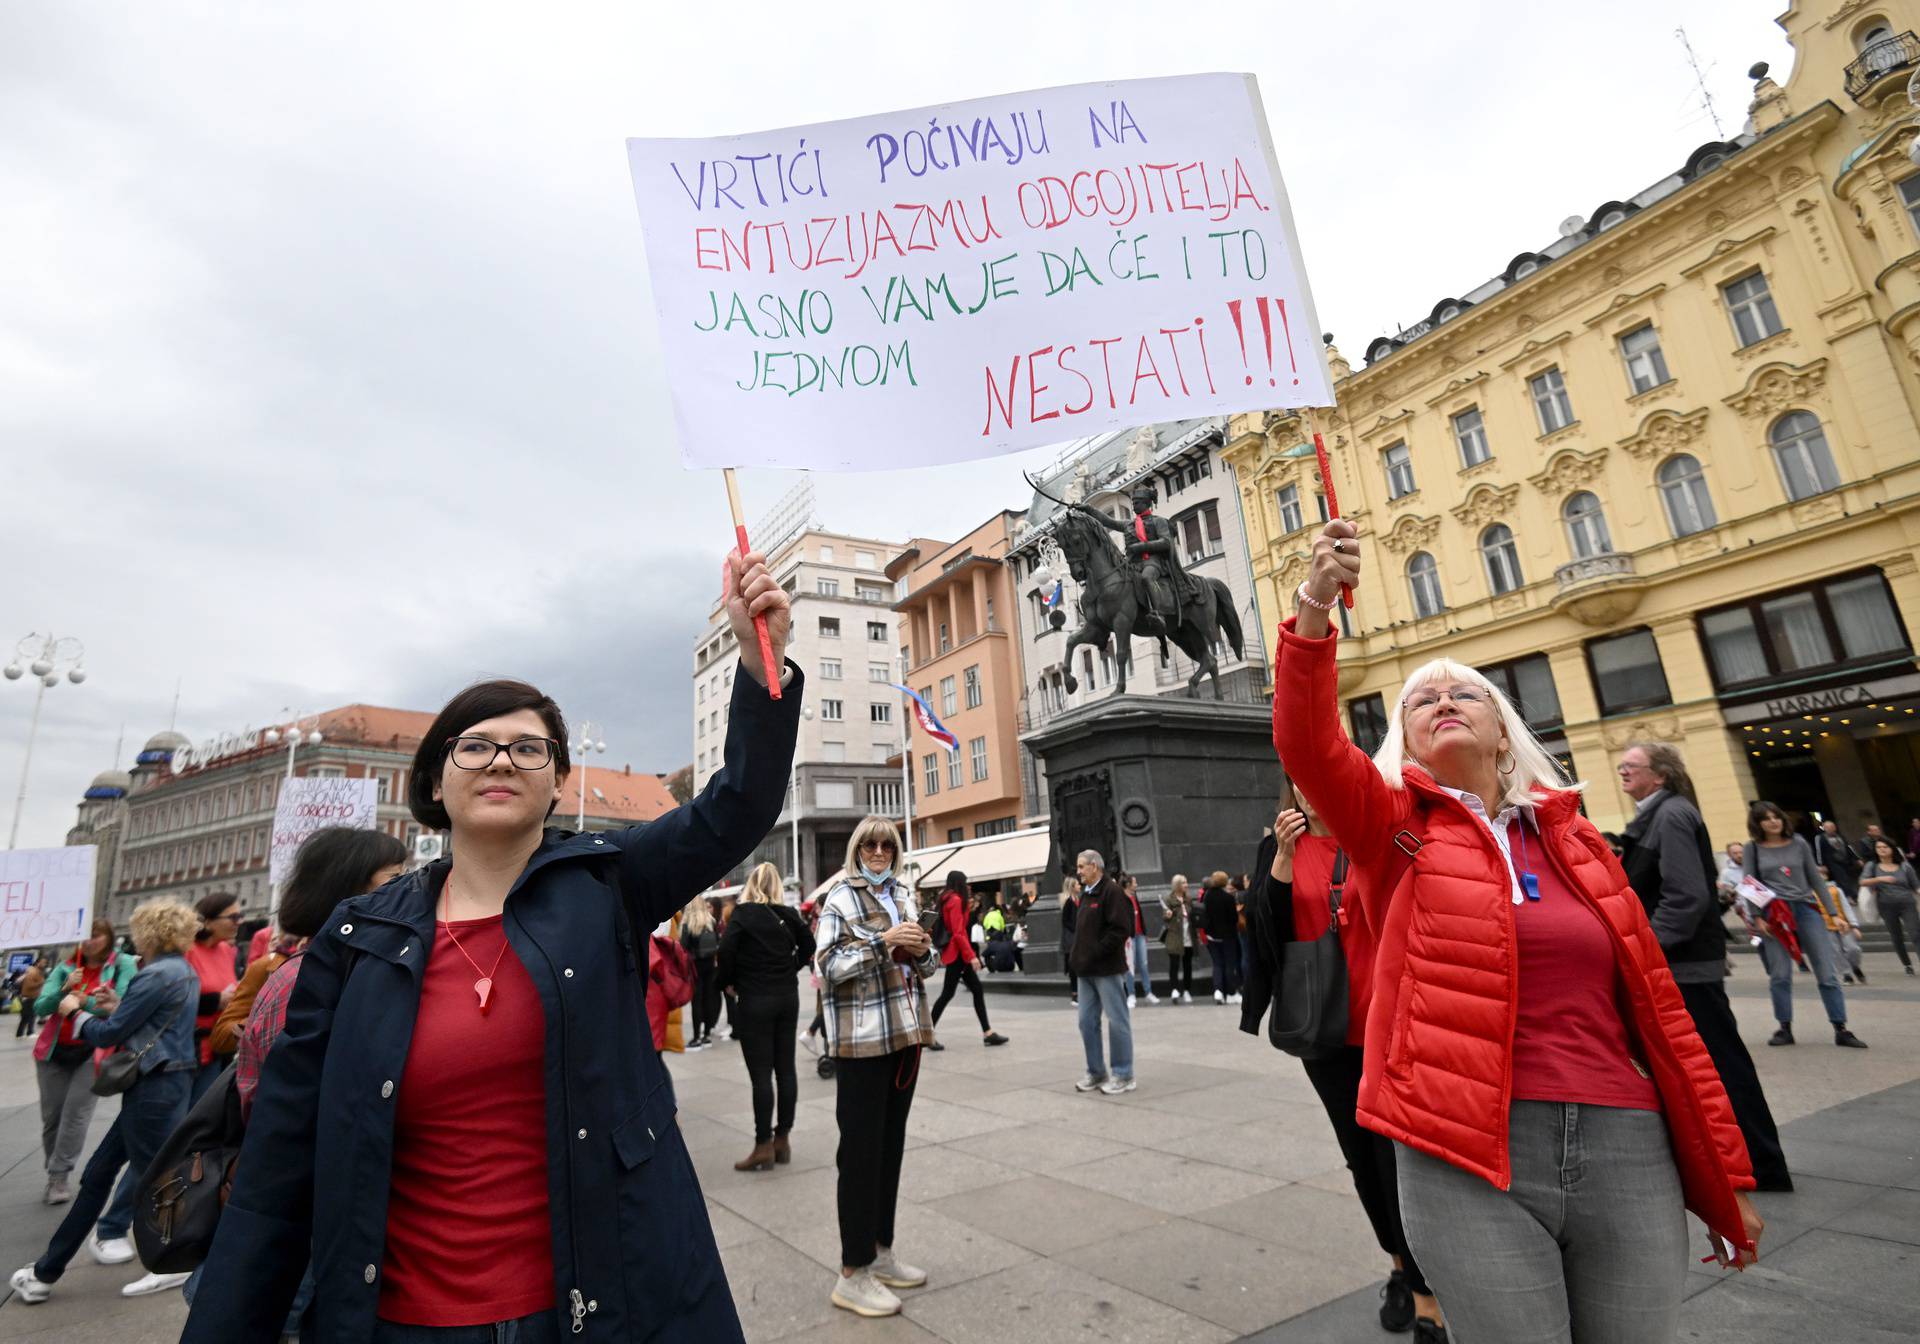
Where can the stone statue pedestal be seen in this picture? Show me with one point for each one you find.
(1158, 785)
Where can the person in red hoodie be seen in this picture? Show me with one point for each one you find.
(1292, 884)
(1526, 1048)
(960, 959)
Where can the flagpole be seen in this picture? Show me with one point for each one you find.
(906, 766)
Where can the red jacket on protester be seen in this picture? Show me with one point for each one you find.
(953, 911)
(670, 970)
(1439, 1049)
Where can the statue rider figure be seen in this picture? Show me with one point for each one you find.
(1153, 548)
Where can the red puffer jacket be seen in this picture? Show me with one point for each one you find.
(1439, 1050)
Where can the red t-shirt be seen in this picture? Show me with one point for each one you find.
(1570, 1039)
(82, 982)
(1313, 857)
(214, 962)
(469, 1231)
(1139, 924)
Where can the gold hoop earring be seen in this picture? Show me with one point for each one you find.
(1513, 763)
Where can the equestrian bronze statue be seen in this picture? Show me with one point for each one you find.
(1146, 591)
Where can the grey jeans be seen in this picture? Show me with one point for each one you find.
(66, 1108)
(1589, 1245)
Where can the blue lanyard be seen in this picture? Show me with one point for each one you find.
(1528, 881)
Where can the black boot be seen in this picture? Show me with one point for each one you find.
(1841, 1036)
(1396, 1304)
(1784, 1036)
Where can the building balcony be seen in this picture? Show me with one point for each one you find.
(1880, 63)
(1600, 590)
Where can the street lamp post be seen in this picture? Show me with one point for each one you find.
(793, 801)
(46, 657)
(293, 736)
(587, 742)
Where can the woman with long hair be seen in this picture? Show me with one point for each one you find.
(1527, 1049)
(60, 1056)
(1784, 863)
(1177, 932)
(463, 1120)
(700, 935)
(875, 958)
(1292, 899)
(1895, 887)
(961, 961)
(1069, 917)
(212, 958)
(764, 949)
(154, 1022)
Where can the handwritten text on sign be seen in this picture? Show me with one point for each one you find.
(968, 280)
(46, 895)
(312, 803)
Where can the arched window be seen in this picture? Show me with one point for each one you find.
(1800, 452)
(1586, 525)
(1501, 558)
(1423, 579)
(1683, 489)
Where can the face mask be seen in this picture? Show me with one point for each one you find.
(876, 878)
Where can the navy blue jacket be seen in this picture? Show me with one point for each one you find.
(633, 1251)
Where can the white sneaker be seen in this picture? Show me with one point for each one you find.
(863, 1295)
(29, 1289)
(1218, 997)
(153, 1283)
(894, 1273)
(1187, 996)
(1233, 998)
(1129, 1000)
(113, 1251)
(808, 1044)
(1091, 1082)
(1113, 1087)
(1153, 998)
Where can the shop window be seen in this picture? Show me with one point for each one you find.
(1683, 490)
(1551, 404)
(1627, 673)
(1750, 308)
(1528, 682)
(1810, 629)
(1801, 454)
(998, 826)
(1367, 719)
(1646, 364)
(1586, 526)
(1397, 462)
(1501, 558)
(1470, 433)
(1423, 581)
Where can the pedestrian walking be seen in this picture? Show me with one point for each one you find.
(1833, 853)
(700, 935)
(32, 981)
(1069, 914)
(154, 1024)
(1784, 863)
(1177, 935)
(875, 957)
(1099, 956)
(1300, 875)
(464, 1119)
(1141, 981)
(212, 958)
(1220, 918)
(61, 1057)
(1670, 865)
(1890, 876)
(961, 962)
(1522, 1019)
(762, 953)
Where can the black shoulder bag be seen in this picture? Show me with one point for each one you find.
(181, 1194)
(1309, 1018)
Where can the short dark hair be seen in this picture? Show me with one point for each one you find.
(479, 702)
(210, 905)
(331, 865)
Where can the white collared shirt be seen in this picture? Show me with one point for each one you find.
(1497, 827)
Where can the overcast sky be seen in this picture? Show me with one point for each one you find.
(328, 370)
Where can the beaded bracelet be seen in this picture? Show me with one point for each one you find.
(1310, 599)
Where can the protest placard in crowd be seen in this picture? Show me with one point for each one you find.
(311, 803)
(46, 895)
(960, 281)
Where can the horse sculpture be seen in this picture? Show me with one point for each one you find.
(1112, 604)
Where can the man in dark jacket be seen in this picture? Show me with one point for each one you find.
(1837, 857)
(1669, 861)
(1099, 957)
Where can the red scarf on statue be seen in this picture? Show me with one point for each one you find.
(1140, 524)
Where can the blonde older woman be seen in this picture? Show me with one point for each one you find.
(874, 958)
(155, 1023)
(1526, 1049)
(1176, 932)
(764, 949)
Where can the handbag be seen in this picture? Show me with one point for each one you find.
(121, 1070)
(178, 1202)
(1309, 1018)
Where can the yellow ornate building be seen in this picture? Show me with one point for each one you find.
(1661, 478)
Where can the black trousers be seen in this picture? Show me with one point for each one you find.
(706, 997)
(1713, 1019)
(764, 1025)
(1180, 971)
(874, 1096)
(26, 1018)
(957, 970)
(1369, 1155)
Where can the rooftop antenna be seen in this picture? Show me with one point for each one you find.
(119, 744)
(1700, 78)
(174, 717)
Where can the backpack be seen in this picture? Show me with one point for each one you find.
(942, 934)
(178, 1201)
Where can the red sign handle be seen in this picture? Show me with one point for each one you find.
(759, 622)
(1333, 503)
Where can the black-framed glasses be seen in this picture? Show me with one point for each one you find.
(478, 753)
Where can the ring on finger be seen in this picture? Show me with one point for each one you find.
(1339, 545)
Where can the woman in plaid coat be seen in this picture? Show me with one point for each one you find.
(874, 958)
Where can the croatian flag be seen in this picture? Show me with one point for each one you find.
(1059, 591)
(929, 722)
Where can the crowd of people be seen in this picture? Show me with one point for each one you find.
(458, 1118)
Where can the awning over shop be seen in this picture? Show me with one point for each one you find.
(989, 858)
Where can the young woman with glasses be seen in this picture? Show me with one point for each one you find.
(1554, 1110)
(463, 1118)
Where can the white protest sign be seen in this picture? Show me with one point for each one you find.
(46, 895)
(312, 803)
(961, 281)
